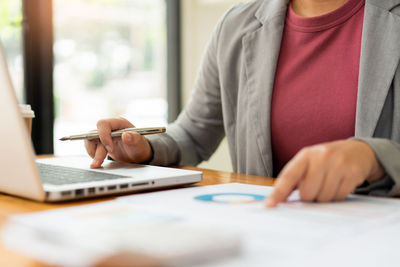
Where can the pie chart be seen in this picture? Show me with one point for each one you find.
(230, 198)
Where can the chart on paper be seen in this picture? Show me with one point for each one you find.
(295, 228)
(230, 198)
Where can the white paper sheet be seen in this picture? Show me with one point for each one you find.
(80, 236)
(294, 234)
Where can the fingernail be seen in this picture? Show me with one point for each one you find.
(108, 147)
(269, 203)
(129, 138)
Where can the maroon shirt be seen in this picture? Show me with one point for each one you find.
(315, 90)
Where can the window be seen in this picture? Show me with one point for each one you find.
(110, 59)
(91, 59)
(11, 39)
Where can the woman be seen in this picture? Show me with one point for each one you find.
(309, 89)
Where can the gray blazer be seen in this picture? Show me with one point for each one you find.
(232, 94)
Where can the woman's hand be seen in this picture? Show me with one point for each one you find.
(130, 147)
(327, 172)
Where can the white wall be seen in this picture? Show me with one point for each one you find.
(199, 18)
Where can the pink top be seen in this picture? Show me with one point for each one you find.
(315, 90)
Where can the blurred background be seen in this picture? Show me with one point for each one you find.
(105, 58)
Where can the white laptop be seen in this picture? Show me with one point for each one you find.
(59, 179)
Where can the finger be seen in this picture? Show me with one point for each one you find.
(128, 148)
(99, 157)
(336, 194)
(131, 138)
(90, 146)
(330, 187)
(345, 188)
(119, 123)
(137, 147)
(312, 181)
(105, 127)
(333, 179)
(287, 180)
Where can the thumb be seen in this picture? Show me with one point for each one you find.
(136, 147)
(131, 138)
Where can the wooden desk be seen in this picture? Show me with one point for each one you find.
(11, 205)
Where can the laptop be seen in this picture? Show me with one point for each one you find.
(66, 178)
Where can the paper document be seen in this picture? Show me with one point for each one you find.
(80, 236)
(290, 235)
(294, 234)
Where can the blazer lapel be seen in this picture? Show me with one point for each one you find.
(261, 49)
(380, 54)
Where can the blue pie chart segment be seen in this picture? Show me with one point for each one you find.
(230, 198)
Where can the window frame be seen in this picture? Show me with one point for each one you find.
(38, 70)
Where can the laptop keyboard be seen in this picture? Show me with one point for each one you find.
(59, 175)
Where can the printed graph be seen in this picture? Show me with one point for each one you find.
(230, 198)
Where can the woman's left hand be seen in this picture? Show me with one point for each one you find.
(327, 172)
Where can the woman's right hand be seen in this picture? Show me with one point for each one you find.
(130, 147)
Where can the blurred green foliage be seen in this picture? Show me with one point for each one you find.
(10, 17)
(11, 26)
(11, 41)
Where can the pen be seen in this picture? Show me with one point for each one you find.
(95, 135)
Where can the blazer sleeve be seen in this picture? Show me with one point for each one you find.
(388, 154)
(197, 132)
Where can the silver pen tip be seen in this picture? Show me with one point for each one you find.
(63, 139)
